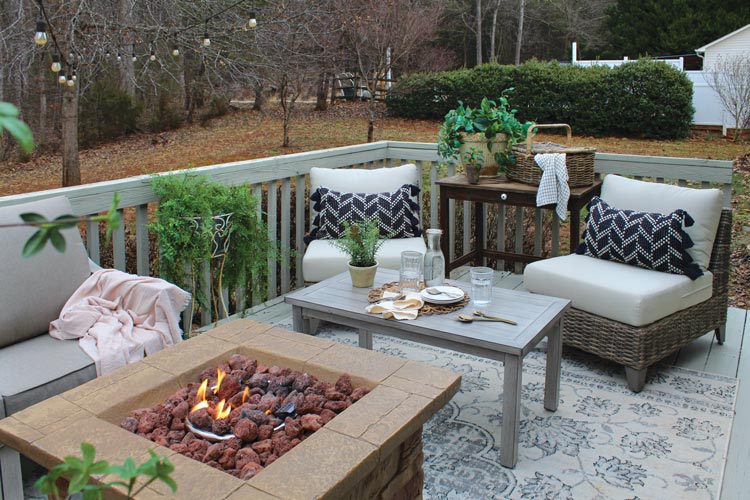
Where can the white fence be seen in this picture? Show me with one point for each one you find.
(708, 107)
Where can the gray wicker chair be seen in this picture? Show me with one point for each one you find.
(637, 348)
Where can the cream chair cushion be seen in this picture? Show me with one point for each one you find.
(322, 260)
(628, 294)
(703, 205)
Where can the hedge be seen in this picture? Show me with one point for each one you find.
(643, 98)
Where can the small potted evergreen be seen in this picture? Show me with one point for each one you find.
(492, 129)
(361, 243)
(473, 161)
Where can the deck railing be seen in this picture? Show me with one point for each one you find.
(284, 206)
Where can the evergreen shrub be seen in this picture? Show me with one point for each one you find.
(643, 98)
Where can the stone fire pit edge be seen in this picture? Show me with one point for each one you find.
(335, 462)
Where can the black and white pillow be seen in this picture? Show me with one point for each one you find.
(396, 212)
(649, 240)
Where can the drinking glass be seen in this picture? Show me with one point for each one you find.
(409, 273)
(481, 285)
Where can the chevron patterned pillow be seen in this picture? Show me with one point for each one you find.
(396, 212)
(649, 240)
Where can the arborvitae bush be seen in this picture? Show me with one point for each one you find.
(106, 112)
(642, 98)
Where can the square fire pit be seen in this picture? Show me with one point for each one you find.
(371, 450)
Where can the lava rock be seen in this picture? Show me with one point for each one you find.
(257, 416)
(264, 432)
(246, 430)
(246, 456)
(238, 361)
(250, 470)
(130, 424)
(359, 393)
(147, 422)
(229, 387)
(202, 419)
(311, 422)
(337, 406)
(214, 452)
(181, 410)
(302, 381)
(292, 428)
(326, 415)
(344, 384)
(227, 458)
(335, 395)
(264, 446)
(221, 426)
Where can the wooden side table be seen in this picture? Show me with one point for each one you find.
(500, 190)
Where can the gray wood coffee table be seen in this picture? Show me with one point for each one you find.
(538, 316)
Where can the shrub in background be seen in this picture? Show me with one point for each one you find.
(642, 98)
(107, 112)
(166, 115)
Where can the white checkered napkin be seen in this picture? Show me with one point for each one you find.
(553, 187)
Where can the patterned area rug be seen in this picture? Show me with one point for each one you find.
(604, 442)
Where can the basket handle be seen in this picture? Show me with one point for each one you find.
(530, 132)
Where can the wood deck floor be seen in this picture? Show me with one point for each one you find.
(731, 359)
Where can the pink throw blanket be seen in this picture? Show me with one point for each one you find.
(119, 316)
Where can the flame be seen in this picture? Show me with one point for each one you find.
(202, 404)
(222, 412)
(219, 377)
(245, 394)
(201, 394)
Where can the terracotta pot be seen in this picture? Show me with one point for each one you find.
(363, 277)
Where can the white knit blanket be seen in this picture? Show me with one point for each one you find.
(119, 317)
(553, 187)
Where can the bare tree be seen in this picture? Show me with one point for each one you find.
(479, 20)
(519, 34)
(382, 33)
(729, 77)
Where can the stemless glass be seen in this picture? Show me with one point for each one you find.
(481, 285)
(409, 274)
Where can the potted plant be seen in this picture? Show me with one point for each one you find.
(492, 128)
(361, 242)
(473, 161)
(200, 222)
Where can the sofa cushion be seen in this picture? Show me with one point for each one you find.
(39, 368)
(628, 294)
(34, 289)
(704, 205)
(323, 260)
(378, 180)
(396, 212)
(643, 239)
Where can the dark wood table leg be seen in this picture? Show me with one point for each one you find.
(575, 225)
(479, 234)
(445, 226)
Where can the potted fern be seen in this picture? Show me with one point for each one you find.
(200, 223)
(492, 129)
(361, 243)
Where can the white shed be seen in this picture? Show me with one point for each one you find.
(735, 43)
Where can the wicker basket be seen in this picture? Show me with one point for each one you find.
(579, 160)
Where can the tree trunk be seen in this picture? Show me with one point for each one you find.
(260, 97)
(493, 35)
(519, 37)
(371, 118)
(479, 32)
(71, 171)
(321, 98)
(283, 96)
(41, 138)
(126, 66)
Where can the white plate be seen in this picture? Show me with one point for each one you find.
(442, 298)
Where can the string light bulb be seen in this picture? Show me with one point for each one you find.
(40, 36)
(175, 51)
(61, 79)
(119, 57)
(252, 22)
(206, 40)
(73, 76)
(133, 56)
(152, 57)
(56, 66)
(70, 82)
(107, 54)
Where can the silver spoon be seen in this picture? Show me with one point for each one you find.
(465, 318)
(435, 291)
(386, 299)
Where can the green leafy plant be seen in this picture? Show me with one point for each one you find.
(184, 249)
(78, 471)
(490, 119)
(361, 241)
(473, 158)
(19, 130)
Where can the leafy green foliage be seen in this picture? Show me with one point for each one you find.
(78, 471)
(654, 97)
(15, 127)
(50, 231)
(361, 241)
(182, 197)
(472, 158)
(489, 119)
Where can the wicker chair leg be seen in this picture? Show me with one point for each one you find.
(721, 334)
(636, 378)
